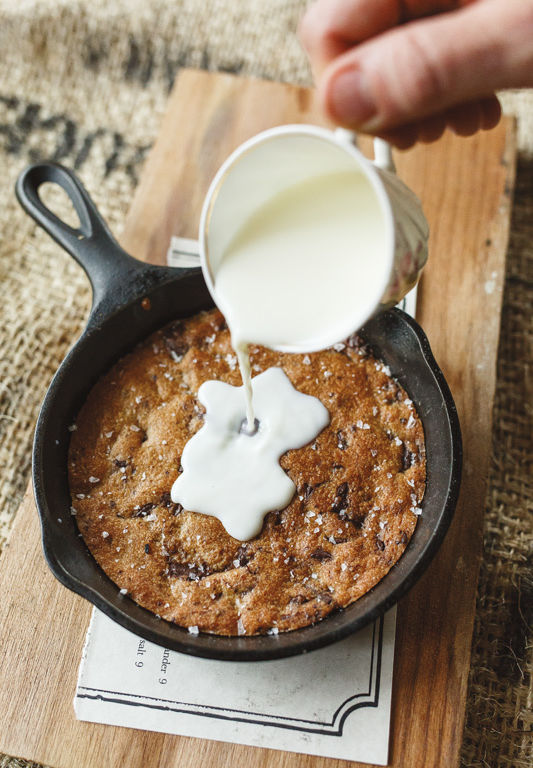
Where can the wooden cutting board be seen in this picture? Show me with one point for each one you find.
(466, 188)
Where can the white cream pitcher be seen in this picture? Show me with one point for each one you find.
(302, 238)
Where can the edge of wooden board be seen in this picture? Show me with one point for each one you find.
(54, 737)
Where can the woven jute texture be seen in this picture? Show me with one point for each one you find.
(85, 83)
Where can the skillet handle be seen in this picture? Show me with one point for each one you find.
(91, 244)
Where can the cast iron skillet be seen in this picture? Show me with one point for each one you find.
(132, 299)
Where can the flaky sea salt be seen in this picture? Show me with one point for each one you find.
(231, 360)
(193, 630)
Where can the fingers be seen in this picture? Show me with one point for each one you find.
(464, 120)
(491, 112)
(331, 27)
(427, 67)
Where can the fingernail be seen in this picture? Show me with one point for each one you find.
(350, 99)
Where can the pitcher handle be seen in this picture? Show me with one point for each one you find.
(382, 149)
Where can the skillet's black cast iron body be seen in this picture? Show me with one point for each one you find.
(130, 300)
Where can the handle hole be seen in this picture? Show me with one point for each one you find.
(58, 202)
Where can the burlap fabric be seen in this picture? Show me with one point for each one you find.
(85, 83)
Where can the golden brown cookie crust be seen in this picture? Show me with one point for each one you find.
(359, 485)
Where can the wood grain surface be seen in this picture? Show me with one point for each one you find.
(466, 187)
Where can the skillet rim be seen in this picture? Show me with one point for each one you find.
(266, 647)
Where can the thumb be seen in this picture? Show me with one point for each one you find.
(424, 67)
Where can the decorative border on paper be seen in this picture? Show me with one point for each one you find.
(369, 698)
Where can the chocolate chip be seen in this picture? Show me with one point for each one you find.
(167, 502)
(187, 571)
(175, 344)
(403, 538)
(220, 324)
(147, 549)
(300, 599)
(394, 391)
(341, 498)
(120, 463)
(357, 343)
(242, 556)
(144, 510)
(408, 458)
(325, 597)
(341, 440)
(380, 544)
(181, 570)
(321, 555)
(306, 490)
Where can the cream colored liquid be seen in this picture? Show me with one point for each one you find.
(237, 478)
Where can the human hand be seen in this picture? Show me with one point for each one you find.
(407, 69)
